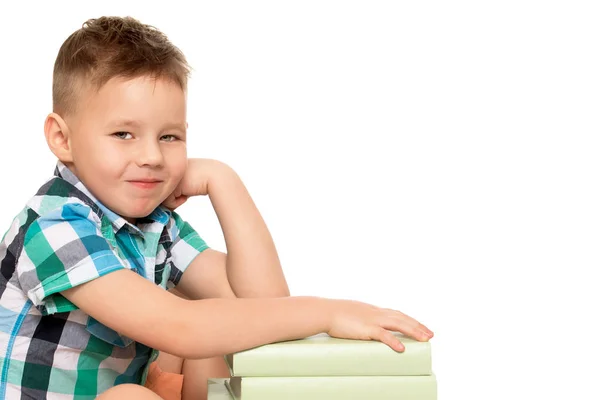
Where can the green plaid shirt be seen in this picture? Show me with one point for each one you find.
(49, 349)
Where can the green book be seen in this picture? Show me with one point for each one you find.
(334, 387)
(217, 390)
(323, 355)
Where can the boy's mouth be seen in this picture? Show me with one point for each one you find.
(145, 183)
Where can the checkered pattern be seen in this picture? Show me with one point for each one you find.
(49, 349)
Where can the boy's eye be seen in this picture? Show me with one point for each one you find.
(121, 135)
(169, 138)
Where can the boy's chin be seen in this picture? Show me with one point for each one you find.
(138, 212)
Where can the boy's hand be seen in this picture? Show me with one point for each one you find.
(355, 320)
(195, 181)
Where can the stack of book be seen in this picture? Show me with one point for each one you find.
(217, 390)
(321, 367)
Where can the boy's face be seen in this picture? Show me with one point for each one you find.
(130, 168)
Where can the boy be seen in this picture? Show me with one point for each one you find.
(83, 306)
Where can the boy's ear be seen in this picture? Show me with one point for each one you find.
(58, 137)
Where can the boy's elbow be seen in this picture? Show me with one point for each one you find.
(281, 290)
(270, 292)
(284, 290)
(263, 290)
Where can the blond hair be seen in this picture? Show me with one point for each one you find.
(109, 47)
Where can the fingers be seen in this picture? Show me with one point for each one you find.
(169, 203)
(397, 321)
(388, 338)
(173, 202)
(412, 320)
(180, 200)
(395, 325)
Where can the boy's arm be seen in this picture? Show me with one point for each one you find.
(205, 277)
(251, 267)
(194, 329)
(139, 309)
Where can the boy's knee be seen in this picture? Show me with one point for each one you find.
(129, 391)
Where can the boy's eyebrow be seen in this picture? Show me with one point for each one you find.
(137, 124)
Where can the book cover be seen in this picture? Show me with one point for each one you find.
(217, 390)
(334, 387)
(323, 355)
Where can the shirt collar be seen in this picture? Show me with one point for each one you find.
(160, 214)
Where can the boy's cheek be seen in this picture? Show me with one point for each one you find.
(179, 166)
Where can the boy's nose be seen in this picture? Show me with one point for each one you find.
(149, 154)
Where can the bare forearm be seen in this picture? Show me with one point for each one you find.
(253, 266)
(224, 326)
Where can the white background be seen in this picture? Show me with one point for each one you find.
(440, 158)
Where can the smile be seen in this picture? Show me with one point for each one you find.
(144, 185)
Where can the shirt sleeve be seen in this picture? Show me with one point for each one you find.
(63, 249)
(187, 244)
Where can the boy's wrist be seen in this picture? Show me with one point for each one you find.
(219, 174)
(202, 174)
(326, 309)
